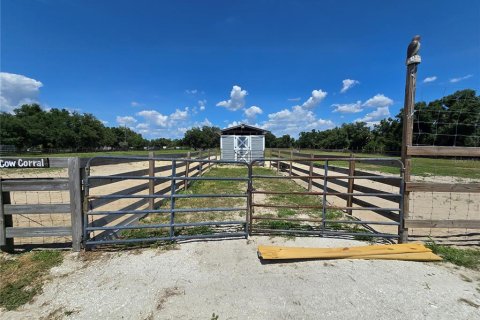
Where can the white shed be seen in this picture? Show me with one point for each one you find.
(242, 143)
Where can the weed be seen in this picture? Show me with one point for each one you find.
(23, 276)
(468, 258)
(214, 316)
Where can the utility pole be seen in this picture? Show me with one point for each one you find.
(413, 60)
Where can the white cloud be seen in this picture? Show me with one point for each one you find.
(253, 111)
(154, 117)
(126, 121)
(429, 79)
(179, 115)
(205, 122)
(348, 107)
(295, 99)
(136, 104)
(293, 121)
(379, 114)
(191, 91)
(16, 89)
(315, 99)
(236, 101)
(104, 122)
(202, 104)
(378, 101)
(347, 84)
(455, 80)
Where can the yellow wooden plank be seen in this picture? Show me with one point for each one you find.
(420, 256)
(271, 252)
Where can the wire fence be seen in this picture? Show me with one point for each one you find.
(39, 198)
(453, 121)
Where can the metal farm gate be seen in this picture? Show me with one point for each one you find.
(161, 199)
(156, 190)
(350, 203)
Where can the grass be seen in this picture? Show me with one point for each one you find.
(420, 166)
(239, 187)
(468, 258)
(23, 276)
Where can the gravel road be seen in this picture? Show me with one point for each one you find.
(225, 278)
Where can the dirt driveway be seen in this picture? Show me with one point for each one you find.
(225, 278)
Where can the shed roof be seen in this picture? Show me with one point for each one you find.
(244, 129)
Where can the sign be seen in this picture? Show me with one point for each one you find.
(24, 163)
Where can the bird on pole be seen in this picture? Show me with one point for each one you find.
(413, 47)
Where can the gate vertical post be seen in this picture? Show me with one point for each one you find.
(310, 173)
(172, 199)
(6, 244)
(187, 169)
(351, 183)
(200, 167)
(248, 226)
(75, 187)
(407, 138)
(151, 182)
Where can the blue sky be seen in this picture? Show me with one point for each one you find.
(162, 67)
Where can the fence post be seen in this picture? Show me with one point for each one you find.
(75, 187)
(208, 163)
(187, 169)
(351, 183)
(200, 167)
(6, 244)
(151, 182)
(408, 109)
(278, 161)
(310, 173)
(291, 157)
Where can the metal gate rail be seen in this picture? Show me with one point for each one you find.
(326, 177)
(174, 177)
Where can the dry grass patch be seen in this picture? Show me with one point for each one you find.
(23, 276)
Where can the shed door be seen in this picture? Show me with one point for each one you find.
(243, 148)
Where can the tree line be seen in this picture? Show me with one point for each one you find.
(451, 120)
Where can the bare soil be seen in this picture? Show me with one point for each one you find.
(226, 278)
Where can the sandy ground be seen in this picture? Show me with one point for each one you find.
(226, 278)
(423, 206)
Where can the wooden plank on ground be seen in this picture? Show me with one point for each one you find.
(443, 151)
(461, 224)
(272, 252)
(442, 187)
(422, 256)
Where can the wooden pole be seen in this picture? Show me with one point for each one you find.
(75, 187)
(151, 183)
(6, 244)
(310, 173)
(278, 161)
(200, 167)
(291, 157)
(351, 183)
(407, 137)
(208, 163)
